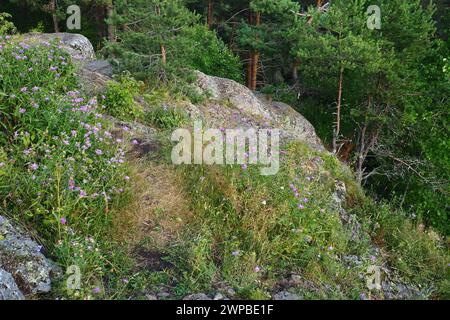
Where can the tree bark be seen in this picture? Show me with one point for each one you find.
(111, 27)
(161, 45)
(256, 57)
(252, 68)
(210, 13)
(361, 158)
(249, 70)
(255, 69)
(250, 57)
(53, 8)
(337, 130)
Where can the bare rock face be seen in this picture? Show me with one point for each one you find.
(102, 67)
(8, 287)
(77, 45)
(92, 82)
(232, 105)
(228, 90)
(21, 257)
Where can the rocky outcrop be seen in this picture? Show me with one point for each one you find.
(232, 105)
(77, 45)
(102, 67)
(21, 258)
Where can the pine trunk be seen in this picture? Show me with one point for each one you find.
(252, 70)
(210, 13)
(54, 16)
(250, 58)
(111, 27)
(337, 130)
(249, 70)
(255, 70)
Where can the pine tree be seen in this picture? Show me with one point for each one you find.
(150, 24)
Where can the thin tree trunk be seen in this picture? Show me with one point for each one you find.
(55, 23)
(361, 158)
(255, 58)
(111, 27)
(161, 45)
(255, 70)
(249, 70)
(100, 17)
(210, 13)
(53, 8)
(163, 53)
(250, 57)
(337, 130)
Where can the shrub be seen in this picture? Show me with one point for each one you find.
(165, 117)
(6, 27)
(159, 114)
(119, 98)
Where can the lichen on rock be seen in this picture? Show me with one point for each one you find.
(22, 258)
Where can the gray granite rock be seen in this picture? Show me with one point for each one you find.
(77, 45)
(232, 105)
(102, 67)
(8, 287)
(22, 258)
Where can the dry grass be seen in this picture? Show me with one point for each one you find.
(159, 209)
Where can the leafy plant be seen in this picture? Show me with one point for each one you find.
(6, 27)
(166, 117)
(118, 99)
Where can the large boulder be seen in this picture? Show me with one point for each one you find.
(21, 257)
(94, 74)
(232, 105)
(77, 45)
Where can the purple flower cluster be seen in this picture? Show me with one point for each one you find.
(296, 193)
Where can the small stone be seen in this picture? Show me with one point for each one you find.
(164, 294)
(231, 292)
(296, 279)
(286, 295)
(218, 296)
(197, 296)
